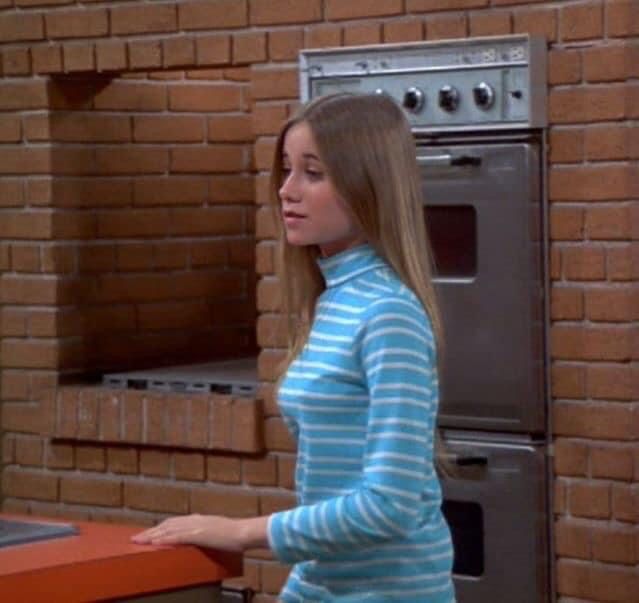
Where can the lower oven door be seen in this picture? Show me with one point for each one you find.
(496, 507)
(483, 213)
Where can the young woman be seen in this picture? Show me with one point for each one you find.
(360, 391)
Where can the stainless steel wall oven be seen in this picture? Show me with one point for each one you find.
(477, 109)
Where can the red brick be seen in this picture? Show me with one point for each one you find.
(583, 263)
(622, 18)
(612, 463)
(249, 47)
(247, 417)
(278, 12)
(625, 502)
(161, 498)
(122, 460)
(590, 183)
(566, 223)
(145, 54)
(571, 458)
(130, 96)
(564, 66)
(359, 34)
(284, 45)
(189, 466)
(213, 14)
(615, 545)
(13, 323)
(16, 61)
(80, 23)
(541, 22)
(59, 456)
(11, 191)
(47, 58)
(622, 262)
(201, 97)
(573, 539)
(610, 222)
(173, 128)
(34, 354)
(89, 128)
(21, 26)
(221, 422)
(111, 55)
(439, 28)
(78, 57)
(567, 303)
(322, 36)
(30, 484)
(260, 472)
(271, 83)
(590, 499)
(143, 19)
(91, 491)
(588, 104)
(415, 6)
(223, 469)
(336, 10)
(613, 382)
(612, 304)
(490, 24)
(27, 290)
(607, 63)
(608, 141)
(266, 225)
(600, 421)
(230, 128)
(274, 577)
(178, 52)
(277, 435)
(231, 502)
(274, 502)
(231, 189)
(155, 463)
(90, 458)
(213, 50)
(25, 258)
(169, 191)
(29, 450)
(581, 21)
(131, 160)
(212, 158)
(286, 472)
(22, 95)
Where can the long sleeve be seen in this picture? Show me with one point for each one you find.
(398, 488)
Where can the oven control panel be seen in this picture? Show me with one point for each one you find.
(460, 84)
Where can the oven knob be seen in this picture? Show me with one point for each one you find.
(413, 99)
(484, 95)
(448, 98)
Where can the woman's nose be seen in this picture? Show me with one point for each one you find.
(288, 190)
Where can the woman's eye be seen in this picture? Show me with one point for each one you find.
(314, 175)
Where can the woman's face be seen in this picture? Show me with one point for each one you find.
(312, 212)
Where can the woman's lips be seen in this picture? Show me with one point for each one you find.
(292, 218)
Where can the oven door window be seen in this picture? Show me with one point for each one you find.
(452, 231)
(466, 522)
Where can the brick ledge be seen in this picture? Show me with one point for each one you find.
(196, 421)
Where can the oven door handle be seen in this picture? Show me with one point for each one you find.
(448, 160)
(465, 460)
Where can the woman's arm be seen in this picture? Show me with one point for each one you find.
(210, 531)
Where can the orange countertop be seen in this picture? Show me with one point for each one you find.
(101, 563)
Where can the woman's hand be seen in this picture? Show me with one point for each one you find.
(210, 531)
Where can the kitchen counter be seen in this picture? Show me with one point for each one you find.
(100, 563)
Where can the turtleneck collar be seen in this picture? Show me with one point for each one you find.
(348, 264)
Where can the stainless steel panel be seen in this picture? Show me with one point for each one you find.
(492, 371)
(499, 521)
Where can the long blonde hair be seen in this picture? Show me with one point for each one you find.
(369, 154)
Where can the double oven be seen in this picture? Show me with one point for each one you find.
(477, 109)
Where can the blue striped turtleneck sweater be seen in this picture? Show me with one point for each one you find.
(361, 401)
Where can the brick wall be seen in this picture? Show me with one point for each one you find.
(134, 139)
